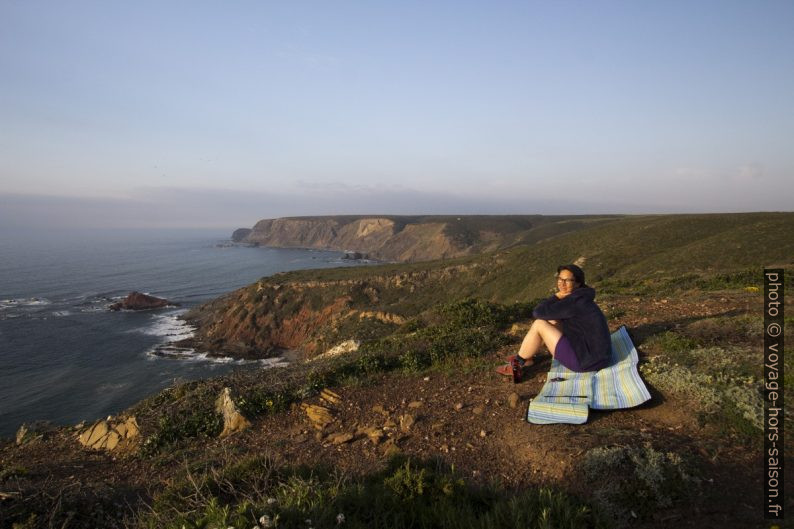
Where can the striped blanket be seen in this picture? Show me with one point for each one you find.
(567, 395)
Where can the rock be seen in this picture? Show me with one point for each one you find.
(240, 234)
(415, 404)
(406, 422)
(477, 410)
(356, 256)
(233, 420)
(458, 406)
(340, 438)
(375, 435)
(320, 416)
(348, 346)
(138, 301)
(513, 399)
(111, 435)
(330, 397)
(483, 433)
(390, 448)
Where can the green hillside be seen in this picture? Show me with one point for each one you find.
(639, 255)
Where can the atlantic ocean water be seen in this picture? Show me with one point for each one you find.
(65, 358)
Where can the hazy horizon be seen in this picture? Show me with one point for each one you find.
(196, 115)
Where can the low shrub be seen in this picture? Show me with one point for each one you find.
(633, 482)
(407, 493)
(724, 384)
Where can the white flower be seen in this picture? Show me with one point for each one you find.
(340, 519)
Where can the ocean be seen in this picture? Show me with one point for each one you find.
(66, 358)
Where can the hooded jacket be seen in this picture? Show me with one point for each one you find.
(583, 324)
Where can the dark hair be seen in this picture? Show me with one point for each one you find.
(578, 273)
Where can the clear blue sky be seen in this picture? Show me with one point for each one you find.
(188, 113)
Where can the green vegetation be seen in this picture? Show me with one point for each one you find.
(643, 256)
(724, 383)
(632, 483)
(453, 316)
(407, 493)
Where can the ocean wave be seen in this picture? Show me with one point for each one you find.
(24, 302)
(186, 354)
(170, 327)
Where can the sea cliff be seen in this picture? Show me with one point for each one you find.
(410, 238)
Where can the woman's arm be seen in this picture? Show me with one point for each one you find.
(555, 308)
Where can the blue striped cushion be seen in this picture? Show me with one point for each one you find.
(614, 387)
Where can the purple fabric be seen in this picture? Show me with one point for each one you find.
(565, 355)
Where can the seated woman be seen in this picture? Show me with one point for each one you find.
(570, 324)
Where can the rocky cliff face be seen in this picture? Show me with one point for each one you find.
(312, 316)
(387, 238)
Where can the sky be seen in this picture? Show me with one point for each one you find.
(218, 114)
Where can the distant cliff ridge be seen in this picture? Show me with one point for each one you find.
(409, 238)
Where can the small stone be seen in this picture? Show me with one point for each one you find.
(375, 436)
(406, 422)
(341, 438)
(483, 433)
(426, 379)
(512, 400)
(459, 406)
(478, 410)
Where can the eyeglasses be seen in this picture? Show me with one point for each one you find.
(570, 281)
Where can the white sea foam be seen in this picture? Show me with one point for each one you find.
(173, 329)
(170, 327)
(24, 302)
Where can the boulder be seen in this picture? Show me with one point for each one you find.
(138, 301)
(111, 435)
(233, 420)
(320, 416)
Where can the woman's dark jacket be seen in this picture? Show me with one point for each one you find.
(583, 324)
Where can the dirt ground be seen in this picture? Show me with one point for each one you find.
(466, 420)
